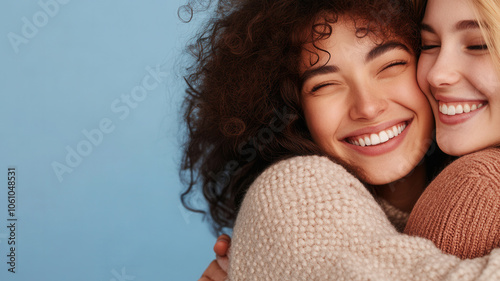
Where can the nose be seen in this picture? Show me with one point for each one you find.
(367, 104)
(444, 72)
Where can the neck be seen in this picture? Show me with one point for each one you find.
(404, 193)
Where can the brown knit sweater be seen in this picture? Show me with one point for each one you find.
(460, 210)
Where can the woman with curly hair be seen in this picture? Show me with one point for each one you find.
(286, 102)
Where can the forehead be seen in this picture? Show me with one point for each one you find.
(446, 11)
(346, 39)
(350, 41)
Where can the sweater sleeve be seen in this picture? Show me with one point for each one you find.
(307, 218)
(460, 210)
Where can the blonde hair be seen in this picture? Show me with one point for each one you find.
(419, 6)
(488, 11)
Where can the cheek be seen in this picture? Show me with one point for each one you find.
(423, 68)
(409, 95)
(407, 91)
(322, 119)
(485, 77)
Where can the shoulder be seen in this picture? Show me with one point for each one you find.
(306, 174)
(460, 210)
(309, 186)
(483, 159)
(480, 165)
(307, 166)
(476, 175)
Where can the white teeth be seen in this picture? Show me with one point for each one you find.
(374, 139)
(444, 109)
(379, 138)
(390, 133)
(395, 131)
(451, 110)
(401, 128)
(361, 142)
(368, 141)
(383, 136)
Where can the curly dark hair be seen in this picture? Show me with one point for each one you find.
(243, 106)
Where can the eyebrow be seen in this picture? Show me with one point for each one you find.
(426, 27)
(467, 24)
(384, 48)
(318, 71)
(374, 53)
(459, 26)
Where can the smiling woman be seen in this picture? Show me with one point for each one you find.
(458, 75)
(363, 106)
(303, 208)
(460, 210)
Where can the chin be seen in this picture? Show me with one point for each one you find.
(454, 146)
(385, 175)
(377, 180)
(462, 149)
(453, 151)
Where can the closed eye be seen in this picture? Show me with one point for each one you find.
(318, 87)
(428, 47)
(393, 64)
(403, 62)
(477, 47)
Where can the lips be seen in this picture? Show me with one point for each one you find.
(380, 137)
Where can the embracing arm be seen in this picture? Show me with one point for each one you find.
(460, 210)
(306, 218)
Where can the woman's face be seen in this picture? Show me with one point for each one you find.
(456, 72)
(363, 105)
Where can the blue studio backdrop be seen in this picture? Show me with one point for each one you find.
(90, 132)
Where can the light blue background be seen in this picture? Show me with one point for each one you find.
(118, 211)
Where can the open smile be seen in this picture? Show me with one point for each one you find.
(453, 113)
(378, 138)
(456, 108)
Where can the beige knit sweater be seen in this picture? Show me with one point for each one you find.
(307, 218)
(460, 210)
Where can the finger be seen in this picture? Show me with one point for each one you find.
(223, 262)
(222, 248)
(213, 273)
(222, 245)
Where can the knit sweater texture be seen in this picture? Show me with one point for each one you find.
(307, 218)
(460, 210)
